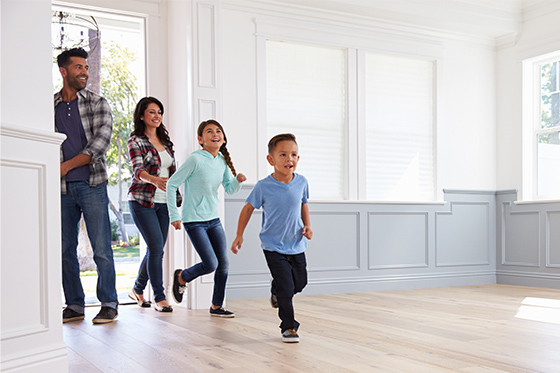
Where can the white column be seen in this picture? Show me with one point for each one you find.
(30, 276)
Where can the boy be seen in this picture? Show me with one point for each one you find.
(283, 197)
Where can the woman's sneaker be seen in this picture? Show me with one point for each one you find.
(221, 312)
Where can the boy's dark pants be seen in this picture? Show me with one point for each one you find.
(289, 276)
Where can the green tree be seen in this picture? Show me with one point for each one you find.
(118, 86)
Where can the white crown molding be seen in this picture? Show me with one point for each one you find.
(354, 23)
(537, 8)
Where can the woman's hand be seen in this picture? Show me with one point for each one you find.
(160, 182)
(241, 178)
(177, 225)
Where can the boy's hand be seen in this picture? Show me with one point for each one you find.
(177, 225)
(307, 232)
(241, 178)
(236, 245)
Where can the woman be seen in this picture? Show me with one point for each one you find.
(152, 157)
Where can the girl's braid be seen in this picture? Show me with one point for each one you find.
(227, 158)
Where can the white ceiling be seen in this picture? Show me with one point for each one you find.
(489, 18)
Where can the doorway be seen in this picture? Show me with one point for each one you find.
(116, 46)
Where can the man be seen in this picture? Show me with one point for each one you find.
(85, 118)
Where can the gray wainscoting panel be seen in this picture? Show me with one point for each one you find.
(520, 245)
(397, 240)
(365, 246)
(250, 259)
(553, 239)
(528, 242)
(335, 245)
(462, 234)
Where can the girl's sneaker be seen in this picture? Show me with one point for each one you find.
(290, 336)
(178, 289)
(221, 312)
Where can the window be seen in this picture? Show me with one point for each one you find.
(332, 98)
(399, 128)
(306, 96)
(541, 172)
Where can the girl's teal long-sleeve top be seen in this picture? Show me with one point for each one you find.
(202, 174)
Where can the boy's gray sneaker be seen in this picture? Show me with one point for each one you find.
(273, 301)
(290, 336)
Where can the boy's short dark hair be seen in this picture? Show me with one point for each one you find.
(63, 59)
(278, 138)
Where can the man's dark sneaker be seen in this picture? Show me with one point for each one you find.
(178, 289)
(290, 336)
(69, 315)
(273, 301)
(105, 316)
(221, 312)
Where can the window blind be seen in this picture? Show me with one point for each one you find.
(306, 96)
(399, 115)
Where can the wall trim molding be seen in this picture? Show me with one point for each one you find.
(31, 134)
(27, 358)
(355, 23)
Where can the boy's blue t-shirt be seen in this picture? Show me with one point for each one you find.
(281, 223)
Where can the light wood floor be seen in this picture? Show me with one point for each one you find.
(490, 328)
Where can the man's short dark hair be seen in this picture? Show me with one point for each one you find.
(63, 59)
(278, 138)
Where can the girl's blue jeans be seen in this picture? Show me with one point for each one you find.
(209, 241)
(153, 224)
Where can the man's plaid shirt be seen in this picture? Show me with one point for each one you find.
(97, 121)
(144, 157)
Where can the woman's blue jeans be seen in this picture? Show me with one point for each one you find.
(93, 203)
(209, 241)
(153, 224)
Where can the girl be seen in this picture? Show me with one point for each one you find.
(203, 172)
(152, 157)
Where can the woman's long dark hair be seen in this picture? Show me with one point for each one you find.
(140, 126)
(223, 148)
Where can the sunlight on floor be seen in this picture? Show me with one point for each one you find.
(540, 309)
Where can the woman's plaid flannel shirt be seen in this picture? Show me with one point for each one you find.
(144, 157)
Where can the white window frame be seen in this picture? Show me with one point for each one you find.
(310, 33)
(531, 118)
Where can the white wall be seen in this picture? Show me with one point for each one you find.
(540, 35)
(468, 134)
(467, 141)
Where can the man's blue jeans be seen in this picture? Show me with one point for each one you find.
(93, 202)
(153, 224)
(209, 241)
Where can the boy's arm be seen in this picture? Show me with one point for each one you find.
(244, 218)
(307, 232)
